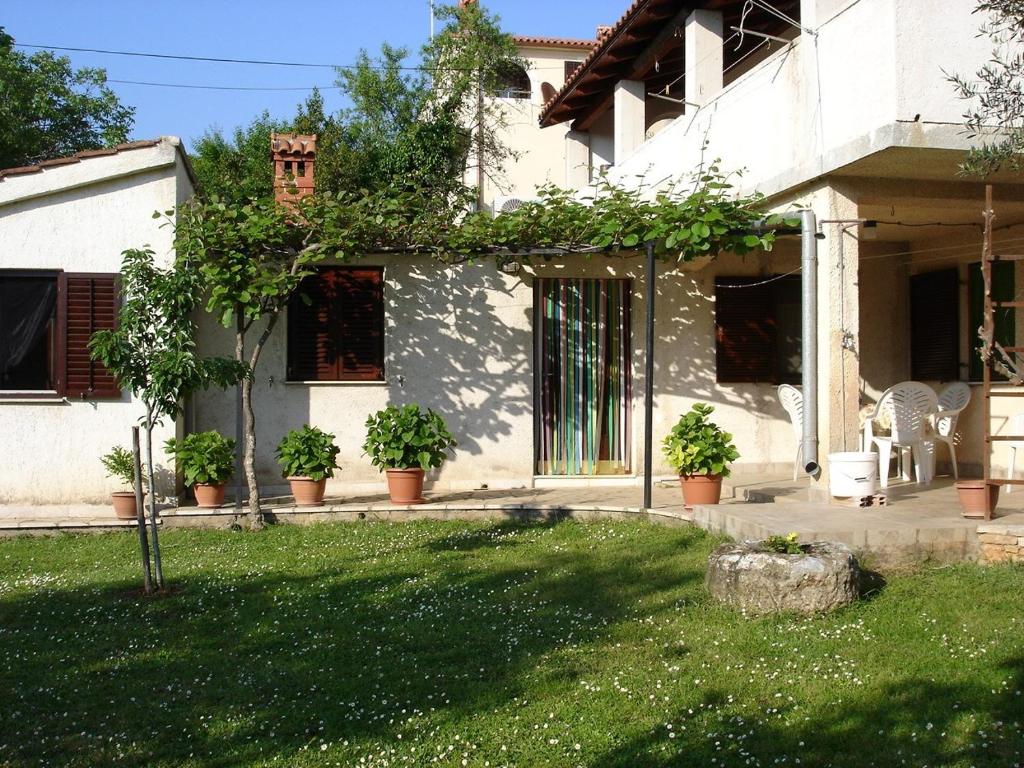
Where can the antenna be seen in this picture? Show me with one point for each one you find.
(431, 4)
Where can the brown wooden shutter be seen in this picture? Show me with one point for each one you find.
(744, 331)
(337, 332)
(935, 326)
(361, 324)
(570, 67)
(90, 303)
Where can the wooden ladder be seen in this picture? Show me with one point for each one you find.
(988, 258)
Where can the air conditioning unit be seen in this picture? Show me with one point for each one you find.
(508, 204)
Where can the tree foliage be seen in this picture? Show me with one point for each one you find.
(152, 351)
(48, 109)
(996, 92)
(407, 125)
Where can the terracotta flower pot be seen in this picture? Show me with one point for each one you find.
(209, 495)
(701, 489)
(972, 498)
(124, 504)
(405, 486)
(308, 492)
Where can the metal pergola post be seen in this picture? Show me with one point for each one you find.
(649, 379)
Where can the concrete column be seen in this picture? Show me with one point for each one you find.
(577, 159)
(704, 55)
(838, 327)
(630, 114)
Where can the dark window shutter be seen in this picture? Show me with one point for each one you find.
(90, 304)
(1003, 289)
(788, 315)
(745, 349)
(337, 332)
(935, 326)
(570, 67)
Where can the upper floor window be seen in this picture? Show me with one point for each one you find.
(514, 83)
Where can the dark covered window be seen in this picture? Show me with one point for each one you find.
(935, 326)
(514, 83)
(46, 321)
(570, 67)
(336, 326)
(757, 329)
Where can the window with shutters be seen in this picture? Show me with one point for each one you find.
(336, 326)
(46, 321)
(570, 67)
(935, 325)
(757, 330)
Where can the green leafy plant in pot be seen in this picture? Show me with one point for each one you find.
(207, 459)
(308, 457)
(700, 452)
(120, 464)
(404, 442)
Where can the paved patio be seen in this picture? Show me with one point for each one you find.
(918, 524)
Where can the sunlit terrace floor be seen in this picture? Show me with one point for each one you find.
(917, 523)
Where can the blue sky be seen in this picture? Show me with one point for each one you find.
(307, 31)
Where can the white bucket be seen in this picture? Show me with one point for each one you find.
(852, 474)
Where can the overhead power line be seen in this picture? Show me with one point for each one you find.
(259, 62)
(227, 87)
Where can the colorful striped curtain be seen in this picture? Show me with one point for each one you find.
(582, 371)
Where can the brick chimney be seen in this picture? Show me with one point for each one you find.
(602, 30)
(294, 155)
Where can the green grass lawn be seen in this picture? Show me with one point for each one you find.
(487, 645)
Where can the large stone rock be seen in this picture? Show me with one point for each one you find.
(826, 576)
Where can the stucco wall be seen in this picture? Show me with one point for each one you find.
(539, 155)
(460, 340)
(50, 450)
(826, 101)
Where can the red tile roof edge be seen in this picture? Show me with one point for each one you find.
(602, 45)
(553, 42)
(77, 157)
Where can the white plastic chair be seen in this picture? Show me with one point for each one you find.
(792, 400)
(910, 406)
(1018, 429)
(952, 399)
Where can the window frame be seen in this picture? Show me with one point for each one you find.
(59, 361)
(772, 285)
(382, 345)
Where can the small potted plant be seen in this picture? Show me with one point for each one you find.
(119, 463)
(207, 460)
(308, 457)
(700, 452)
(404, 443)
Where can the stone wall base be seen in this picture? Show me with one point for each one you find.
(1001, 543)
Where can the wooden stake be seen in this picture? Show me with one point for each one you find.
(140, 515)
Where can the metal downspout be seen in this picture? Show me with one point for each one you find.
(809, 339)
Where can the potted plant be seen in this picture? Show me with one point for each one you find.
(700, 452)
(308, 457)
(208, 460)
(405, 442)
(119, 463)
(978, 499)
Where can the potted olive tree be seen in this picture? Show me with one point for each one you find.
(700, 452)
(404, 443)
(120, 464)
(207, 460)
(308, 457)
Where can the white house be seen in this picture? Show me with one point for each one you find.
(837, 106)
(63, 226)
